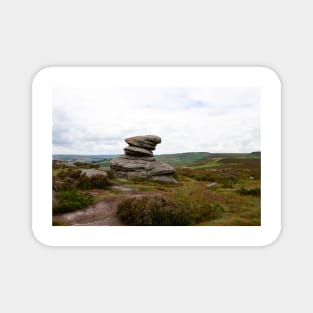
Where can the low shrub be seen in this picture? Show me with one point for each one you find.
(250, 192)
(72, 179)
(94, 182)
(57, 164)
(186, 205)
(200, 203)
(155, 211)
(86, 165)
(110, 173)
(71, 200)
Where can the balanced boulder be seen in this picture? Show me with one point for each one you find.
(139, 162)
(147, 142)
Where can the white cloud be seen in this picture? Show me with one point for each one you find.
(96, 121)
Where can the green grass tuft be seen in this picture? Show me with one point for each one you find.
(71, 200)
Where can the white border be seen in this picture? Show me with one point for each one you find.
(51, 77)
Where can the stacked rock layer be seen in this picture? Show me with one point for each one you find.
(138, 161)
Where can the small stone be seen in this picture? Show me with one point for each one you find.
(92, 172)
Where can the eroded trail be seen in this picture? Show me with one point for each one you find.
(102, 213)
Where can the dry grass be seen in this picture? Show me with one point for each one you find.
(232, 202)
(219, 208)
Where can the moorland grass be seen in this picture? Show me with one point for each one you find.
(71, 200)
(234, 201)
(185, 205)
(213, 163)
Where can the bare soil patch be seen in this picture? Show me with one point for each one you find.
(102, 213)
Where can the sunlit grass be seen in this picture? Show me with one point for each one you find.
(212, 163)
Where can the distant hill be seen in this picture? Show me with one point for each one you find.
(256, 154)
(252, 155)
(83, 158)
(180, 159)
(175, 159)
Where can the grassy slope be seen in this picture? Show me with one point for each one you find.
(237, 209)
(208, 163)
(192, 189)
(181, 159)
(200, 158)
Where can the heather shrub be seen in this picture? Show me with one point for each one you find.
(94, 182)
(86, 165)
(56, 164)
(71, 200)
(186, 205)
(110, 173)
(71, 179)
(250, 192)
(155, 211)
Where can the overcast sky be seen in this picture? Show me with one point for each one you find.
(96, 121)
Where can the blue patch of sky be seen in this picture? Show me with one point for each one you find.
(191, 104)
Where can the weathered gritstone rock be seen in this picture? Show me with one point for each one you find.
(135, 151)
(147, 142)
(139, 161)
(140, 167)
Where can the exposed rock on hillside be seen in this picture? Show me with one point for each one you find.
(135, 151)
(138, 161)
(148, 142)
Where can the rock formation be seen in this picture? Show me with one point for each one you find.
(138, 161)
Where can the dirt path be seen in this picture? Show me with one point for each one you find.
(102, 213)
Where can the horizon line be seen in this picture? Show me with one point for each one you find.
(258, 151)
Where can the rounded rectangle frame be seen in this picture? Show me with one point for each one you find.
(51, 77)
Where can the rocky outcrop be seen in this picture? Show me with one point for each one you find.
(139, 162)
(135, 151)
(147, 142)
